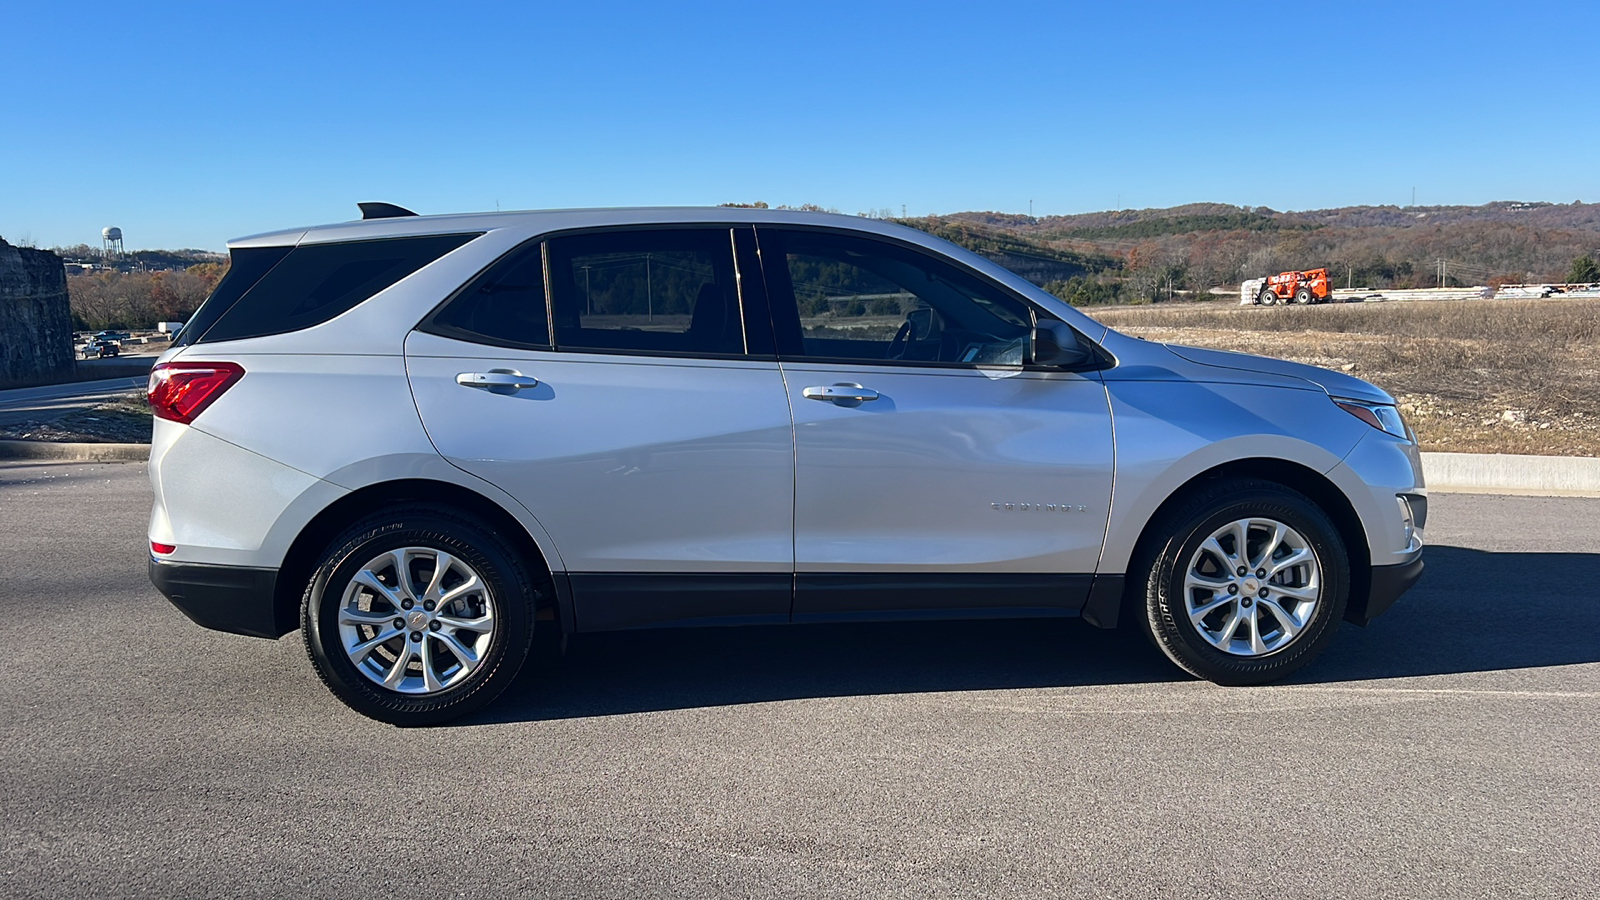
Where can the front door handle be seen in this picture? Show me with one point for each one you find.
(841, 394)
(497, 381)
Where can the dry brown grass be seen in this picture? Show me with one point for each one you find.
(1479, 376)
(123, 420)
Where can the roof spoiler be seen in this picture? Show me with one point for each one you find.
(383, 211)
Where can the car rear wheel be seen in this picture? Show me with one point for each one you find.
(1249, 584)
(418, 615)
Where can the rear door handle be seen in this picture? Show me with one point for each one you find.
(497, 381)
(841, 394)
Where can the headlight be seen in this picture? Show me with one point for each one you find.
(1381, 416)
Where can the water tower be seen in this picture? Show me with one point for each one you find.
(111, 241)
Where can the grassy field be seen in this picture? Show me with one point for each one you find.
(1472, 376)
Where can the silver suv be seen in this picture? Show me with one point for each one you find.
(419, 439)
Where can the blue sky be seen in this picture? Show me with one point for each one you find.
(189, 124)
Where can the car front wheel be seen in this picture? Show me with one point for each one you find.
(1249, 584)
(418, 615)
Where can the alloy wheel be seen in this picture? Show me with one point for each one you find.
(1252, 587)
(416, 620)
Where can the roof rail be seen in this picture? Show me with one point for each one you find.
(383, 211)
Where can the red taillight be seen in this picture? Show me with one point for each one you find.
(162, 548)
(182, 390)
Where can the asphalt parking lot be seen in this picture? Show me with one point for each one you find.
(1449, 750)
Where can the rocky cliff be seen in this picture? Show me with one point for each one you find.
(35, 324)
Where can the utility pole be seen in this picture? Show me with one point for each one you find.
(1030, 208)
(1350, 276)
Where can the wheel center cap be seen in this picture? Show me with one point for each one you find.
(418, 620)
(1250, 586)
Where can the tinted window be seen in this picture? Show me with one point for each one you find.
(246, 266)
(868, 300)
(316, 282)
(504, 306)
(669, 291)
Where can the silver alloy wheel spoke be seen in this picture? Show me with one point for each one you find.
(467, 658)
(363, 617)
(369, 580)
(1252, 586)
(442, 564)
(1308, 593)
(460, 590)
(1253, 623)
(1224, 558)
(397, 672)
(1267, 549)
(1293, 559)
(482, 623)
(1200, 612)
(402, 573)
(433, 636)
(359, 652)
(1290, 625)
(430, 680)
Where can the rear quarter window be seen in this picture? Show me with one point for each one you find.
(308, 285)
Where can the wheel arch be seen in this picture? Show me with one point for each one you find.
(301, 558)
(1296, 476)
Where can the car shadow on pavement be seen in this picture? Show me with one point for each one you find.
(643, 671)
(1476, 611)
(1473, 611)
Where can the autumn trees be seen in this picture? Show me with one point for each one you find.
(111, 299)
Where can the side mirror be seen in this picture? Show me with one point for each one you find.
(1056, 344)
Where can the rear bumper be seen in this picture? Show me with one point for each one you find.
(1388, 583)
(234, 599)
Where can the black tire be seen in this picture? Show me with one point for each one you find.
(1267, 298)
(511, 588)
(1305, 297)
(1163, 564)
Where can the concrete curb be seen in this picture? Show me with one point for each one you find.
(1504, 473)
(74, 452)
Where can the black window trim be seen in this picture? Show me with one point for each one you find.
(753, 310)
(430, 324)
(784, 333)
(187, 336)
(730, 228)
(204, 336)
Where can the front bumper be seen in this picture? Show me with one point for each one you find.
(1386, 586)
(234, 599)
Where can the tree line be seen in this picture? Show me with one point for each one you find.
(138, 300)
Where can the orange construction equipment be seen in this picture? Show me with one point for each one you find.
(1310, 286)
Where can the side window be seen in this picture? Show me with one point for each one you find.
(669, 291)
(504, 306)
(316, 282)
(860, 299)
(246, 267)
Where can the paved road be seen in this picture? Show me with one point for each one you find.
(55, 400)
(1447, 751)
